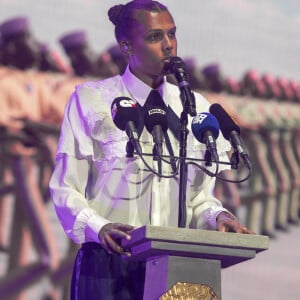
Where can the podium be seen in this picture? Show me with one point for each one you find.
(184, 263)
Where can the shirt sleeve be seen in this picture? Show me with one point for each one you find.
(70, 177)
(67, 185)
(206, 207)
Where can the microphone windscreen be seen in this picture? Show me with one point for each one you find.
(156, 116)
(202, 123)
(227, 125)
(175, 64)
(123, 110)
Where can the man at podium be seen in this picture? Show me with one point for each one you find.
(104, 186)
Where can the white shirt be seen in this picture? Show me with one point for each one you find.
(94, 183)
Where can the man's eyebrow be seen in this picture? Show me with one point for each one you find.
(155, 30)
(159, 29)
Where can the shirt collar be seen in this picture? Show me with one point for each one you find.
(138, 90)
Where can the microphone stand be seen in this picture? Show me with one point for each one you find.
(182, 169)
(188, 103)
(177, 67)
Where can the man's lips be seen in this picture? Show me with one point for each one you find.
(166, 60)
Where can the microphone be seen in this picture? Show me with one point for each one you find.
(177, 67)
(205, 128)
(156, 123)
(231, 131)
(125, 115)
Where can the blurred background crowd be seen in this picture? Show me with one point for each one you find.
(35, 84)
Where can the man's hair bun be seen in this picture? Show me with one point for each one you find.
(114, 13)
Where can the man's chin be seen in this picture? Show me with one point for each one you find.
(166, 69)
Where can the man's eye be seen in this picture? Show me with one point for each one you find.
(154, 37)
(172, 34)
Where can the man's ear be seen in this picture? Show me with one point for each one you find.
(125, 48)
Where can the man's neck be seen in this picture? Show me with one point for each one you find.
(154, 82)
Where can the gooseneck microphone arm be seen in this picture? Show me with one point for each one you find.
(133, 136)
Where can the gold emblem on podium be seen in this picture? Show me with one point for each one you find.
(189, 291)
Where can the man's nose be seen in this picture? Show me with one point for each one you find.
(168, 45)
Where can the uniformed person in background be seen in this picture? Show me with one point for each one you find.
(83, 59)
(23, 99)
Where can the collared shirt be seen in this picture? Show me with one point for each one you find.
(94, 183)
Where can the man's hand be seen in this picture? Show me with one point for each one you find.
(228, 223)
(110, 236)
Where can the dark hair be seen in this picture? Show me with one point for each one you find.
(122, 16)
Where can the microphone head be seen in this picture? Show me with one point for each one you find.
(175, 64)
(202, 123)
(123, 110)
(156, 116)
(227, 125)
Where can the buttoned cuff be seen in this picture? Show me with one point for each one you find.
(87, 226)
(93, 227)
(211, 216)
